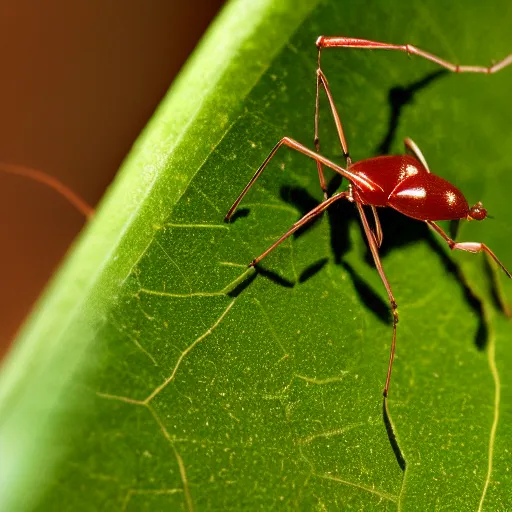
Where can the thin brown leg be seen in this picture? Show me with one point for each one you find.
(379, 235)
(315, 212)
(376, 258)
(339, 127)
(316, 140)
(412, 148)
(321, 81)
(349, 42)
(363, 182)
(473, 247)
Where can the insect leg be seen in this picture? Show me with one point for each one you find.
(379, 235)
(321, 81)
(355, 178)
(473, 247)
(412, 148)
(316, 140)
(350, 42)
(375, 253)
(315, 212)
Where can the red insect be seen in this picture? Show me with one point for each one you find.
(402, 182)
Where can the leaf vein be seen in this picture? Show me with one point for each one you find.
(491, 357)
(188, 350)
(382, 494)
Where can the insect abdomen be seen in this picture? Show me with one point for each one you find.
(428, 197)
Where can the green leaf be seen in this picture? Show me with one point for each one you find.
(159, 373)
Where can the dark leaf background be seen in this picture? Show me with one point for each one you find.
(158, 373)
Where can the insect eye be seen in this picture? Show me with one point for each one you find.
(478, 212)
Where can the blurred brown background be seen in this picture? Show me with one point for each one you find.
(79, 81)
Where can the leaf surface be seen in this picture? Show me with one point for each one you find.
(159, 373)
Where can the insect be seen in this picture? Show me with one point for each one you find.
(403, 182)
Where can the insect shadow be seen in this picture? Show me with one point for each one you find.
(398, 98)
